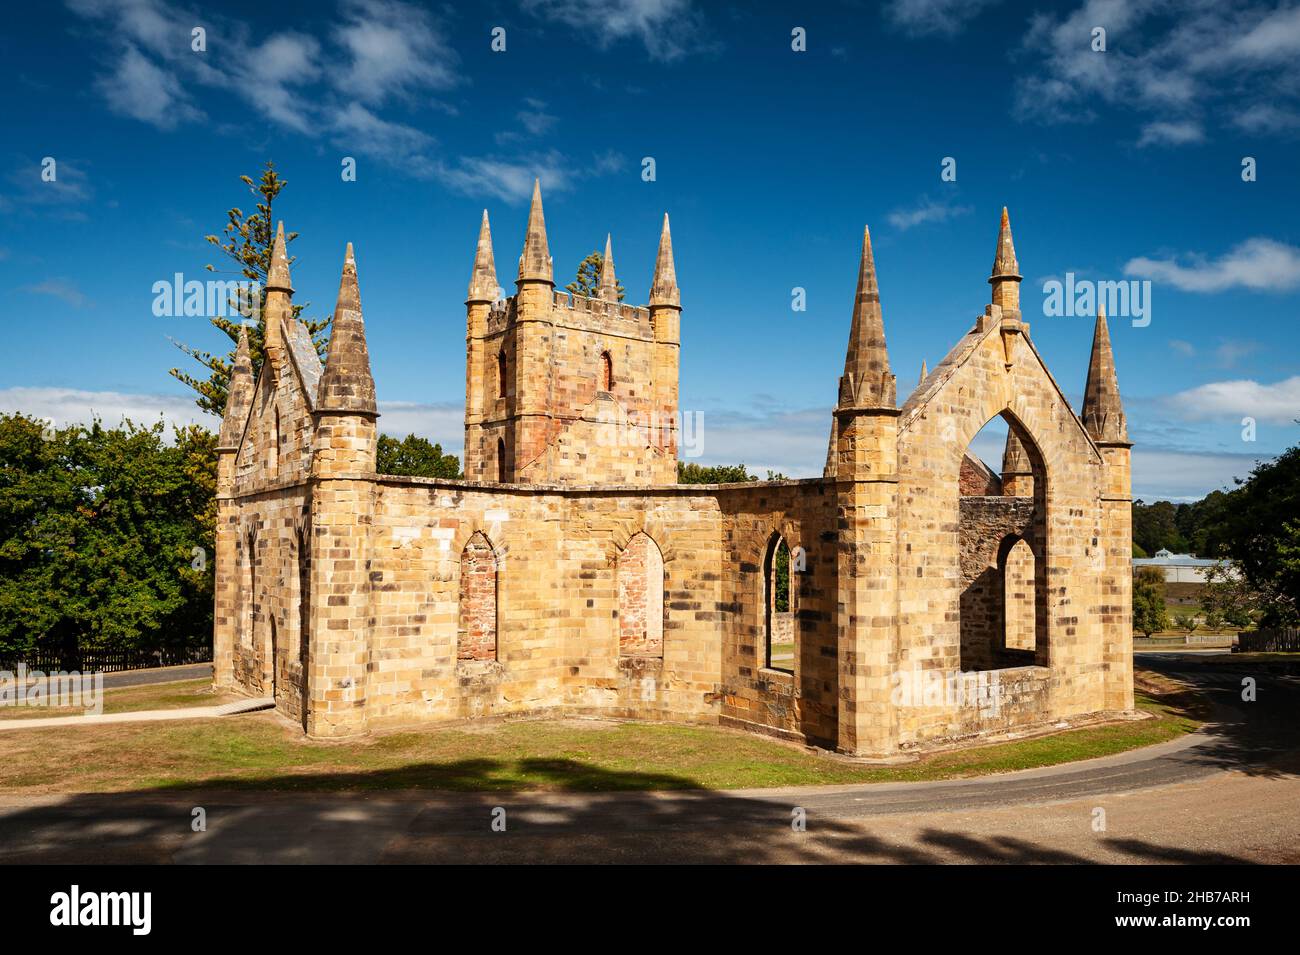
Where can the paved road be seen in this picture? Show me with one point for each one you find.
(1228, 794)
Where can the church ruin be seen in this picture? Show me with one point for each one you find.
(568, 573)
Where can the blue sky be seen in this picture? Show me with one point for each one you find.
(1117, 165)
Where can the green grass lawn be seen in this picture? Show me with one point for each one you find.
(260, 752)
(158, 696)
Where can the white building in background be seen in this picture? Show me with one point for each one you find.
(1182, 568)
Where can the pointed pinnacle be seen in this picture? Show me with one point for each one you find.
(535, 262)
(663, 288)
(608, 285)
(925, 372)
(239, 396)
(1015, 459)
(867, 382)
(1103, 411)
(346, 384)
(483, 279)
(1005, 265)
(277, 275)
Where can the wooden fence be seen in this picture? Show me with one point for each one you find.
(105, 661)
(1269, 641)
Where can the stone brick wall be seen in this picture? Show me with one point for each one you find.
(986, 529)
(559, 422)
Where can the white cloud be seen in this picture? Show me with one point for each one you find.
(507, 179)
(66, 406)
(928, 210)
(1258, 264)
(63, 289)
(139, 89)
(1174, 65)
(1171, 133)
(1266, 118)
(1186, 349)
(1164, 475)
(669, 29)
(357, 129)
(933, 17)
(440, 423)
(1277, 403)
(395, 50)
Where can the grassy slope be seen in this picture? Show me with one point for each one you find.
(259, 751)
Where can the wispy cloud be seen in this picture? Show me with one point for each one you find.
(63, 289)
(933, 17)
(1258, 264)
(1174, 66)
(668, 29)
(140, 90)
(1171, 133)
(928, 210)
(394, 50)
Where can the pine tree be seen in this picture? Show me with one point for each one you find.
(247, 242)
(588, 281)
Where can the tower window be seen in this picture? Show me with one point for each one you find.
(501, 373)
(502, 473)
(606, 372)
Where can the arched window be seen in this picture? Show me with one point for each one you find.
(503, 472)
(501, 373)
(606, 372)
(1002, 546)
(247, 582)
(780, 645)
(304, 599)
(273, 452)
(641, 598)
(476, 633)
(1018, 583)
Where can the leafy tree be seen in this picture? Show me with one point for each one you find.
(247, 242)
(106, 538)
(1258, 526)
(588, 281)
(692, 473)
(1229, 597)
(416, 457)
(1186, 621)
(1138, 552)
(1149, 612)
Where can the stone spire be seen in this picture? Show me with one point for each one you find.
(867, 382)
(1006, 276)
(346, 384)
(1103, 412)
(663, 289)
(925, 373)
(483, 280)
(535, 262)
(1015, 459)
(608, 287)
(239, 396)
(277, 299)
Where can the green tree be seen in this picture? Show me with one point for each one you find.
(1258, 526)
(1186, 621)
(415, 457)
(106, 537)
(247, 242)
(1227, 596)
(1149, 612)
(692, 473)
(588, 281)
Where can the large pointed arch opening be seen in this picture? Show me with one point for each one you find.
(1002, 536)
